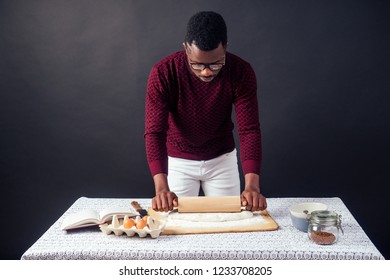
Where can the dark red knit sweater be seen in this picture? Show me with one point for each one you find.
(188, 118)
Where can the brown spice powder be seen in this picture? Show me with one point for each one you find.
(322, 238)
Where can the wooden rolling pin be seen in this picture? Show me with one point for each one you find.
(204, 204)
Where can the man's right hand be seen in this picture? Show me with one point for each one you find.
(164, 200)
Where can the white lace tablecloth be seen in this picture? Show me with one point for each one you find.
(285, 243)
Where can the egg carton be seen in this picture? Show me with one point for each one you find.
(153, 228)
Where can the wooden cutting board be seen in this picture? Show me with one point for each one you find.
(261, 221)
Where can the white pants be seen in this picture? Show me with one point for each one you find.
(218, 176)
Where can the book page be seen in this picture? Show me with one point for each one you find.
(106, 214)
(79, 219)
(90, 217)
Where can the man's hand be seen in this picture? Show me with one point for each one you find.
(164, 200)
(253, 200)
(251, 196)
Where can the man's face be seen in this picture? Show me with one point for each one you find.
(205, 64)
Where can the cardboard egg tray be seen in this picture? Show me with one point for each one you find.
(154, 227)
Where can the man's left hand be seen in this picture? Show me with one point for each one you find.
(253, 200)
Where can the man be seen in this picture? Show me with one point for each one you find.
(188, 126)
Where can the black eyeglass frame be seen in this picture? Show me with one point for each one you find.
(207, 65)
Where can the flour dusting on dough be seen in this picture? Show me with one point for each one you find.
(210, 217)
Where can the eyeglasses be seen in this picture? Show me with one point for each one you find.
(212, 66)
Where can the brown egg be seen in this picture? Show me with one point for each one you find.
(145, 218)
(128, 223)
(141, 224)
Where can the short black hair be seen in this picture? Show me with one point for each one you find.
(207, 30)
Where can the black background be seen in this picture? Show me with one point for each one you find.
(72, 91)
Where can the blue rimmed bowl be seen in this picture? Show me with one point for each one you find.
(300, 211)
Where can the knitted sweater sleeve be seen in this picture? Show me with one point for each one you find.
(156, 122)
(247, 117)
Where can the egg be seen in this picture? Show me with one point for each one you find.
(145, 218)
(141, 224)
(128, 223)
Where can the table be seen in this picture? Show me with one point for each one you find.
(285, 243)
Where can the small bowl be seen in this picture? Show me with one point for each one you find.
(299, 212)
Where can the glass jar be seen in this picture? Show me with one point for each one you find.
(324, 227)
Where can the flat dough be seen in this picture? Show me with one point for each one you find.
(259, 221)
(211, 217)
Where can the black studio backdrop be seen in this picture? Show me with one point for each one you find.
(72, 89)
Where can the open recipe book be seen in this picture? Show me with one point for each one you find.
(87, 218)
